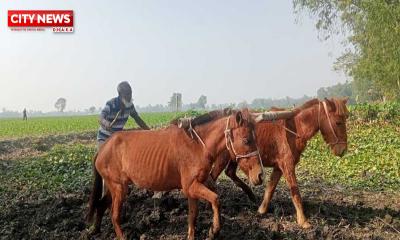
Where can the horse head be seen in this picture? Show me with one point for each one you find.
(241, 142)
(332, 117)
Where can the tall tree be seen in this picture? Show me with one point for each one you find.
(338, 90)
(60, 104)
(201, 103)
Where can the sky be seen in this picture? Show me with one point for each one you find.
(230, 51)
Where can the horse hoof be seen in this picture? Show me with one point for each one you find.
(261, 210)
(190, 238)
(211, 234)
(93, 230)
(306, 225)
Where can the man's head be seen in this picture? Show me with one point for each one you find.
(125, 93)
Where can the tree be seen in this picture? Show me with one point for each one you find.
(243, 104)
(338, 90)
(372, 57)
(60, 104)
(175, 103)
(201, 103)
(92, 109)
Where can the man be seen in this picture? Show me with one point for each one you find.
(116, 112)
(114, 116)
(24, 116)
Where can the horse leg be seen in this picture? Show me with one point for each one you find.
(270, 189)
(198, 190)
(290, 176)
(193, 212)
(118, 193)
(218, 167)
(105, 203)
(231, 173)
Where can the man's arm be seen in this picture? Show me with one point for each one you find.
(138, 120)
(104, 123)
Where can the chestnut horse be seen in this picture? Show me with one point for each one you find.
(281, 144)
(167, 159)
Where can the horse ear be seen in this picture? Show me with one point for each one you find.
(331, 104)
(239, 118)
(227, 111)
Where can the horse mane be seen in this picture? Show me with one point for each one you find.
(308, 104)
(341, 109)
(207, 117)
(340, 105)
(210, 116)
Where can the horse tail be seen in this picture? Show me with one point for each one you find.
(96, 192)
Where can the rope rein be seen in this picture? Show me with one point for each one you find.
(229, 146)
(229, 143)
(292, 132)
(192, 130)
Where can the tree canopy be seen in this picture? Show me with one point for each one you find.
(372, 56)
(60, 104)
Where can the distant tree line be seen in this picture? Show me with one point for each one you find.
(338, 90)
(176, 103)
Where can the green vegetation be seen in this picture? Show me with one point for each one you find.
(372, 161)
(381, 112)
(63, 169)
(15, 128)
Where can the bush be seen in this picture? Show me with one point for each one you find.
(369, 112)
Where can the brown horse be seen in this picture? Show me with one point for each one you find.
(281, 144)
(162, 160)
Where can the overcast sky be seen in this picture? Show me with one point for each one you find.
(229, 51)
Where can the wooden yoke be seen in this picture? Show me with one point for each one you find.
(274, 115)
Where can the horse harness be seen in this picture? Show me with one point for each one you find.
(273, 118)
(330, 123)
(228, 142)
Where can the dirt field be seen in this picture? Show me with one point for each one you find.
(336, 212)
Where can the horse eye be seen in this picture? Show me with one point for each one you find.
(246, 141)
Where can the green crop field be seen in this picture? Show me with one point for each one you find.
(16, 128)
(372, 161)
(373, 158)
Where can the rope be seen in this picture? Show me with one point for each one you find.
(115, 119)
(329, 121)
(229, 144)
(192, 130)
(292, 132)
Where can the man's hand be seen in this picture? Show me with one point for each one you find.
(105, 124)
